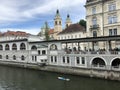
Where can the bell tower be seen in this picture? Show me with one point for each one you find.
(57, 22)
(68, 21)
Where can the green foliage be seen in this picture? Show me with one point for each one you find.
(46, 27)
(47, 35)
(82, 22)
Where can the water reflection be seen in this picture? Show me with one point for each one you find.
(24, 79)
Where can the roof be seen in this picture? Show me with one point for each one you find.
(13, 33)
(73, 28)
(9, 41)
(87, 39)
(51, 31)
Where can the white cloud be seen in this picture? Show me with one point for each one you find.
(18, 11)
(22, 10)
(33, 31)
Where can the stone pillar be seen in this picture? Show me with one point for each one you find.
(92, 45)
(109, 42)
(78, 46)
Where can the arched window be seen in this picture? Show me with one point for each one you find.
(14, 57)
(22, 46)
(7, 47)
(1, 47)
(55, 22)
(0, 56)
(14, 47)
(53, 47)
(22, 57)
(59, 22)
(33, 47)
(7, 57)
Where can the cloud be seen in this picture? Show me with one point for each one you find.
(21, 11)
(33, 31)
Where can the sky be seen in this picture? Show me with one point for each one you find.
(30, 15)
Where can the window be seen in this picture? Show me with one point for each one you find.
(7, 57)
(94, 33)
(55, 58)
(7, 47)
(78, 60)
(22, 57)
(112, 6)
(41, 60)
(113, 32)
(32, 58)
(35, 58)
(83, 60)
(51, 58)
(38, 52)
(14, 47)
(68, 60)
(58, 38)
(68, 37)
(65, 37)
(59, 22)
(22, 46)
(0, 56)
(33, 47)
(55, 22)
(14, 57)
(43, 52)
(112, 19)
(63, 59)
(79, 35)
(93, 10)
(1, 47)
(71, 36)
(94, 21)
(110, 32)
(75, 36)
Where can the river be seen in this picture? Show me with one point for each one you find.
(25, 79)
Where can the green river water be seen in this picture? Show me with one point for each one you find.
(25, 79)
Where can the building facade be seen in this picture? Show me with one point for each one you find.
(98, 50)
(103, 19)
(53, 53)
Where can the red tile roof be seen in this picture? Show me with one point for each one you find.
(51, 31)
(13, 33)
(73, 28)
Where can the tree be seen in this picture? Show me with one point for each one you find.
(47, 32)
(82, 22)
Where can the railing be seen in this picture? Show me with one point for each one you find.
(94, 26)
(100, 51)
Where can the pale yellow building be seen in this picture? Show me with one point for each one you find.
(103, 19)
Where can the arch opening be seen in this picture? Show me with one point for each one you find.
(98, 62)
(116, 63)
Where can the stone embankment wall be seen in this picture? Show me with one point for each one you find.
(103, 74)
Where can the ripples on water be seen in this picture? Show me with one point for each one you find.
(24, 79)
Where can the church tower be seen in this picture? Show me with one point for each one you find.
(57, 22)
(68, 21)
